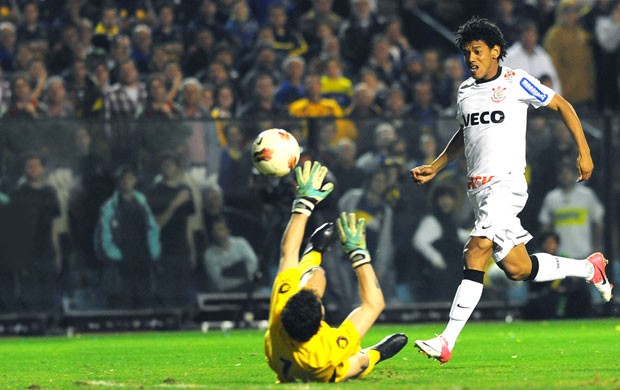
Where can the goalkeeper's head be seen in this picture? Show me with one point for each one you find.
(302, 315)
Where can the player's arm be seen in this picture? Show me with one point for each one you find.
(585, 166)
(353, 238)
(453, 150)
(310, 191)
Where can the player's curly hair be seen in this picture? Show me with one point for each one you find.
(481, 29)
(302, 315)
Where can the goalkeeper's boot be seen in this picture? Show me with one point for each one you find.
(390, 346)
(599, 279)
(321, 238)
(436, 348)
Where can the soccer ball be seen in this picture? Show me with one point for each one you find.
(275, 152)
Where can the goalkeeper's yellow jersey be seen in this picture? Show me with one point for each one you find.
(323, 358)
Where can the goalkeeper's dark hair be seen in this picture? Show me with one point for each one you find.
(302, 315)
(481, 29)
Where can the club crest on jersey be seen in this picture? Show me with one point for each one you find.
(498, 94)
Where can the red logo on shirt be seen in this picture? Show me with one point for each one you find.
(498, 94)
(510, 74)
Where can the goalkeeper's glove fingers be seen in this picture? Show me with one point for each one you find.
(311, 188)
(353, 238)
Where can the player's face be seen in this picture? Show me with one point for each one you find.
(481, 60)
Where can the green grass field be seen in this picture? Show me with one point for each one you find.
(489, 355)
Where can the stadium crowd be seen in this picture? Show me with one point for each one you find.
(127, 180)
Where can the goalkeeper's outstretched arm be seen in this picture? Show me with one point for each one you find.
(311, 190)
(353, 238)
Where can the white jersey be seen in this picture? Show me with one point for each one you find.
(494, 116)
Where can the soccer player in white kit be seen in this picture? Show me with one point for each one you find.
(492, 112)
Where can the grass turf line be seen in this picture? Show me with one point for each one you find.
(489, 355)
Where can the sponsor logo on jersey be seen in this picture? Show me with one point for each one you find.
(533, 90)
(498, 94)
(483, 118)
(342, 342)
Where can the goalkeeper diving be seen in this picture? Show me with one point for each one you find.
(299, 344)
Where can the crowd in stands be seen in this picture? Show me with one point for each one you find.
(111, 112)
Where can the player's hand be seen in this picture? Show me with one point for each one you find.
(311, 188)
(423, 173)
(353, 238)
(585, 166)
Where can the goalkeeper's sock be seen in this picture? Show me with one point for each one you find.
(465, 301)
(552, 267)
(373, 359)
(310, 261)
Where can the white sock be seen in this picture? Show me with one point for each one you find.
(465, 301)
(552, 267)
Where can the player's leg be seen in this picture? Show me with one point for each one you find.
(543, 267)
(362, 363)
(477, 252)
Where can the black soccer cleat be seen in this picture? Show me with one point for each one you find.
(321, 238)
(390, 345)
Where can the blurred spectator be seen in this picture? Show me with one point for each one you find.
(347, 173)
(383, 136)
(64, 52)
(38, 76)
(109, 22)
(158, 106)
(364, 104)
(398, 42)
(142, 50)
(396, 106)
(334, 84)
(198, 56)
(217, 74)
(265, 61)
(160, 58)
(23, 58)
(8, 40)
(235, 168)
(413, 71)
(291, 87)
(127, 242)
(357, 32)
(381, 61)
(229, 261)
(82, 90)
(542, 12)
(171, 202)
(369, 202)
(207, 17)
(33, 207)
(575, 213)
(528, 55)
(22, 105)
(56, 102)
(570, 48)
(288, 40)
(85, 37)
(242, 25)
(225, 104)
(120, 52)
(5, 94)
(439, 241)
(424, 109)
(371, 80)
(453, 76)
(167, 30)
(314, 105)
(128, 96)
(192, 108)
(607, 34)
(506, 16)
(33, 30)
(320, 13)
(262, 106)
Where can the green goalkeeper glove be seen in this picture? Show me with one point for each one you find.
(353, 238)
(310, 187)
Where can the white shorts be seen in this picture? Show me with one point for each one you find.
(496, 205)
